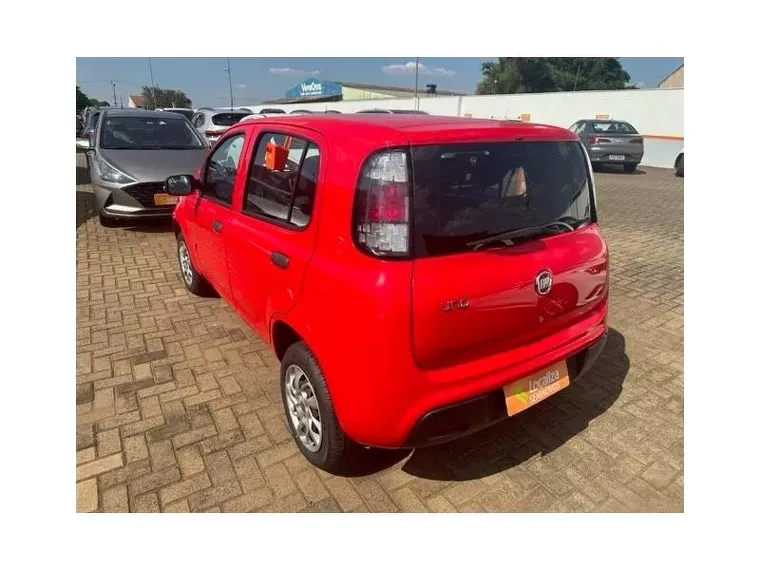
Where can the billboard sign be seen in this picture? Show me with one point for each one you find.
(314, 87)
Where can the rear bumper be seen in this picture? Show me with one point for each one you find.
(471, 415)
(599, 156)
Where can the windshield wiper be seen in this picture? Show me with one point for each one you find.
(555, 227)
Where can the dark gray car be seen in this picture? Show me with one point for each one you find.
(132, 154)
(611, 142)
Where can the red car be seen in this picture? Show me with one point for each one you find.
(418, 277)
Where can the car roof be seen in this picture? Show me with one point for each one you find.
(138, 113)
(393, 128)
(223, 110)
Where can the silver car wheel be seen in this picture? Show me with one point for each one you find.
(184, 263)
(303, 407)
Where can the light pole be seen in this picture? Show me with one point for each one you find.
(577, 73)
(152, 85)
(229, 77)
(416, 77)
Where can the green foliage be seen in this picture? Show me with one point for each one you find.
(545, 74)
(157, 97)
(82, 100)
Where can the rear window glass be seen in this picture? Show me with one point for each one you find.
(612, 127)
(227, 119)
(465, 192)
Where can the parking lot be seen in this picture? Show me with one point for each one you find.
(179, 409)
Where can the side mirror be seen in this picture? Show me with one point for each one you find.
(83, 144)
(180, 184)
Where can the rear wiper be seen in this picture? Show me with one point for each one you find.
(555, 227)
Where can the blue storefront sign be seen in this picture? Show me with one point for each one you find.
(312, 87)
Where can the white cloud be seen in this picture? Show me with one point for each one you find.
(241, 85)
(290, 72)
(408, 69)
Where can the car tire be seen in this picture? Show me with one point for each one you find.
(300, 379)
(108, 221)
(679, 167)
(194, 281)
(630, 167)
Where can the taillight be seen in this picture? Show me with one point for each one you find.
(381, 205)
(593, 140)
(637, 141)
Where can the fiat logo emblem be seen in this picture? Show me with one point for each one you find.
(543, 282)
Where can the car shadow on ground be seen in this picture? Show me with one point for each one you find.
(536, 431)
(610, 169)
(83, 175)
(149, 226)
(85, 206)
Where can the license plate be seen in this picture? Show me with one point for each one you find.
(164, 199)
(617, 157)
(535, 388)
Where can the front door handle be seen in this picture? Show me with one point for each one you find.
(217, 226)
(280, 259)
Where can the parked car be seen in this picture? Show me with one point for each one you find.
(679, 164)
(301, 112)
(211, 123)
(271, 111)
(394, 111)
(611, 142)
(130, 156)
(89, 122)
(187, 113)
(405, 311)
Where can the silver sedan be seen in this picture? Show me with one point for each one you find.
(131, 155)
(611, 142)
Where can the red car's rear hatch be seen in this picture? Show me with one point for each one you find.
(478, 290)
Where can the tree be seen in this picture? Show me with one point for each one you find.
(159, 98)
(545, 74)
(104, 104)
(82, 100)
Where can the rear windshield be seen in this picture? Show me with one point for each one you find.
(227, 119)
(613, 127)
(148, 133)
(466, 192)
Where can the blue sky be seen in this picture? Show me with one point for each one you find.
(257, 79)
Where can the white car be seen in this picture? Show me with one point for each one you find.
(679, 164)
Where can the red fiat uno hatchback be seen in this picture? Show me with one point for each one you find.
(418, 277)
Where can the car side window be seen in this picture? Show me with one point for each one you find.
(198, 121)
(581, 128)
(221, 169)
(282, 181)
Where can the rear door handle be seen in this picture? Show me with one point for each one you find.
(280, 259)
(217, 226)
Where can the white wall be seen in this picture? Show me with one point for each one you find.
(656, 113)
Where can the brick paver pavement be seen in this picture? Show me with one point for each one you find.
(178, 406)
